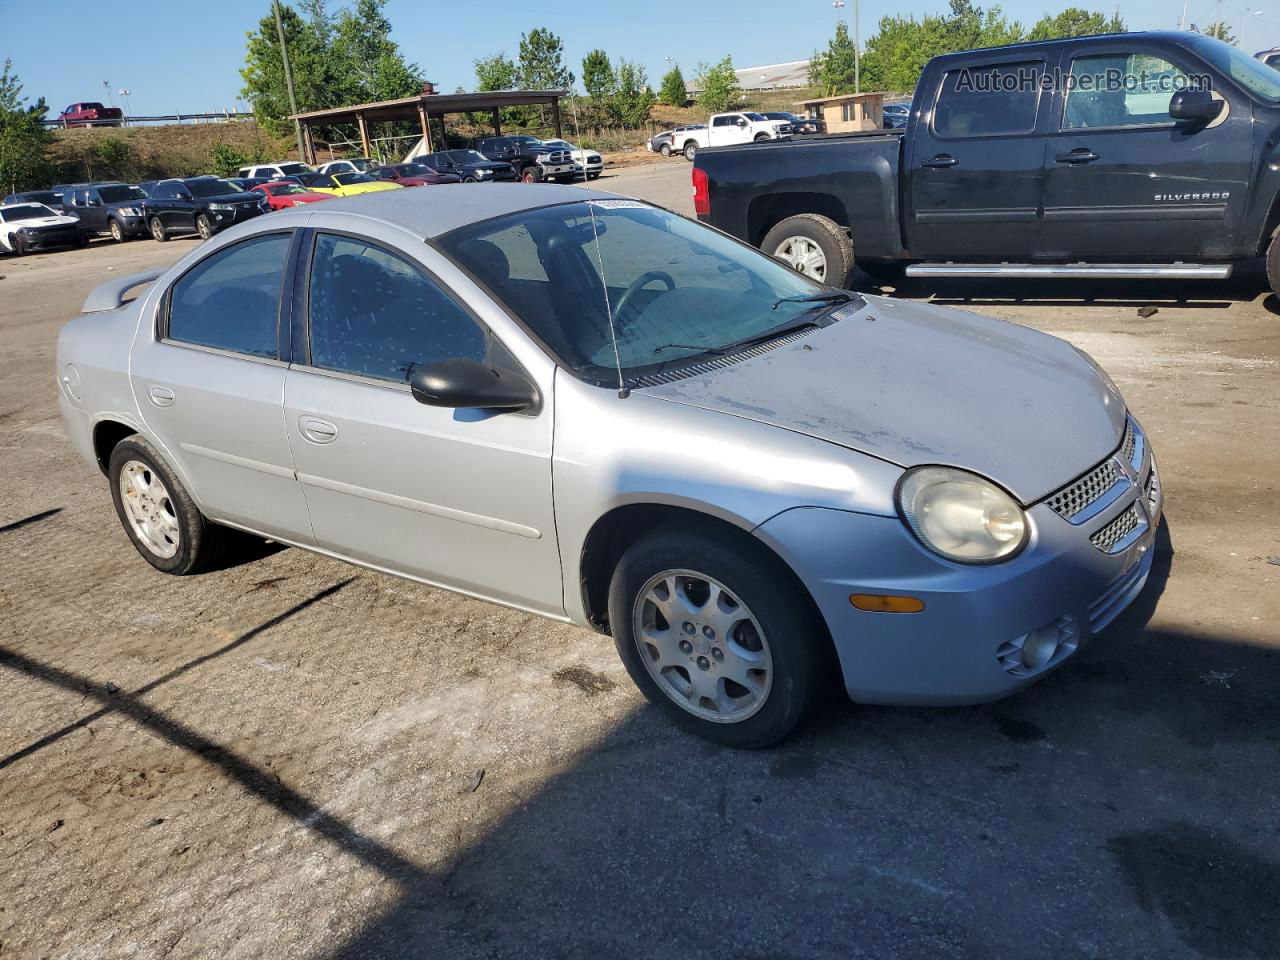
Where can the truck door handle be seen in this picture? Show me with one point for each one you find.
(161, 396)
(318, 431)
(1078, 155)
(941, 160)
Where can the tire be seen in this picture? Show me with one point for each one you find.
(814, 245)
(204, 227)
(531, 174)
(117, 231)
(770, 612)
(164, 526)
(593, 176)
(469, 180)
(158, 233)
(761, 137)
(665, 149)
(1273, 263)
(19, 246)
(690, 151)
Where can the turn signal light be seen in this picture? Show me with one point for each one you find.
(881, 603)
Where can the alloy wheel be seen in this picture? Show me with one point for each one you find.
(149, 509)
(803, 255)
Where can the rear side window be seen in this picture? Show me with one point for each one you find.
(231, 299)
(985, 101)
(375, 314)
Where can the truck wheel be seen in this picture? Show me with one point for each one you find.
(761, 137)
(117, 231)
(718, 637)
(665, 149)
(531, 175)
(814, 245)
(1273, 263)
(204, 227)
(158, 232)
(690, 151)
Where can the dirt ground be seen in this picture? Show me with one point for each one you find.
(291, 757)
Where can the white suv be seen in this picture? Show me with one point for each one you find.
(274, 171)
(724, 129)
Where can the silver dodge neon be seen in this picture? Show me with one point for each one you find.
(596, 410)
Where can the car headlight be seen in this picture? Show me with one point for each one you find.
(221, 207)
(960, 515)
(131, 211)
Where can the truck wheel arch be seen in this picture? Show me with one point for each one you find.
(766, 212)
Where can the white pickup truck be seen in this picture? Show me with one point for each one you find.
(724, 129)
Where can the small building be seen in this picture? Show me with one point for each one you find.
(848, 112)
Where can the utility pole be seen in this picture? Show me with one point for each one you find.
(288, 77)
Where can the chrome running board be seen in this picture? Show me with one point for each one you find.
(1076, 271)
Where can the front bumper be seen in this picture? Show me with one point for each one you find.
(550, 170)
(967, 644)
(226, 218)
(133, 226)
(53, 238)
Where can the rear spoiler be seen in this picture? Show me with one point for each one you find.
(109, 295)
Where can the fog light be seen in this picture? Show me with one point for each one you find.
(1040, 646)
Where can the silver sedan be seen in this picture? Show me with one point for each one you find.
(590, 408)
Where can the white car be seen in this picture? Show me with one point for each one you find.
(584, 161)
(724, 129)
(274, 171)
(25, 227)
(354, 165)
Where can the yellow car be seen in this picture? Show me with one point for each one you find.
(345, 184)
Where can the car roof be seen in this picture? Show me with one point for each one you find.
(430, 213)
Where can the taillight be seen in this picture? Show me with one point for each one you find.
(701, 193)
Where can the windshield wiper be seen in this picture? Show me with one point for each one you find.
(715, 351)
(836, 296)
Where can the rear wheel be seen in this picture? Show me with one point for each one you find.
(665, 149)
(158, 232)
(814, 245)
(690, 151)
(204, 227)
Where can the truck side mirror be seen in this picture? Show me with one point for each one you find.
(1194, 106)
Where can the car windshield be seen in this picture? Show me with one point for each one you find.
(676, 290)
(213, 187)
(347, 179)
(525, 138)
(468, 156)
(284, 189)
(26, 211)
(120, 193)
(290, 169)
(1256, 77)
(44, 196)
(415, 170)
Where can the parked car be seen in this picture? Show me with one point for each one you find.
(840, 505)
(27, 227)
(106, 207)
(413, 175)
(470, 166)
(1270, 57)
(344, 184)
(50, 198)
(894, 115)
(992, 178)
(350, 165)
(725, 129)
(800, 125)
(203, 205)
(90, 115)
(586, 163)
(665, 143)
(281, 195)
(532, 159)
(275, 171)
(248, 183)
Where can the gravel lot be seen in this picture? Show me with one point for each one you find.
(291, 757)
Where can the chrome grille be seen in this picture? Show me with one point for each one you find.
(1074, 497)
(1107, 538)
(1152, 491)
(1130, 443)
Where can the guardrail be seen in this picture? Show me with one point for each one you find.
(224, 116)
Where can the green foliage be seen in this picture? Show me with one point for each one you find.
(542, 61)
(633, 98)
(24, 140)
(720, 89)
(1220, 31)
(225, 160)
(496, 73)
(833, 71)
(1075, 22)
(597, 76)
(673, 91)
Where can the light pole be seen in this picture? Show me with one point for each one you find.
(857, 44)
(107, 86)
(124, 95)
(1244, 18)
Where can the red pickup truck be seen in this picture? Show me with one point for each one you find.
(91, 115)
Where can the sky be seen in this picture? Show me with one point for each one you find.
(176, 56)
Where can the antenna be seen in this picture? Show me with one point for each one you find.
(623, 392)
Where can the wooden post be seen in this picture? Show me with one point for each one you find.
(309, 142)
(426, 128)
(364, 134)
(555, 117)
(497, 122)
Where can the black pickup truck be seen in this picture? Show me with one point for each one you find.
(1126, 155)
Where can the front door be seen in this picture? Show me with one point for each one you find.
(1122, 179)
(459, 498)
(975, 164)
(208, 379)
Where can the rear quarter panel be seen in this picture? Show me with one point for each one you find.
(93, 373)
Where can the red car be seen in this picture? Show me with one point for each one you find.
(91, 115)
(413, 175)
(282, 195)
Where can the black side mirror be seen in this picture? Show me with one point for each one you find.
(463, 383)
(1194, 106)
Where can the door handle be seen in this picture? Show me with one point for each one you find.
(1078, 155)
(941, 160)
(161, 396)
(317, 430)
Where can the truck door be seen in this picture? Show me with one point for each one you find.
(727, 128)
(1123, 179)
(974, 164)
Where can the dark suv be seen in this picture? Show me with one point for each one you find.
(471, 166)
(532, 158)
(203, 204)
(114, 208)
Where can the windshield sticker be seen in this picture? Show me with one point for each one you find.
(618, 204)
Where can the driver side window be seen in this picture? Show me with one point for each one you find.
(1121, 90)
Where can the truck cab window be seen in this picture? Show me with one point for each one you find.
(984, 101)
(1120, 90)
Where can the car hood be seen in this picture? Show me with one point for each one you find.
(58, 221)
(917, 384)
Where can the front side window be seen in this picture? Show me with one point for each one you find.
(1120, 90)
(375, 314)
(231, 299)
(726, 121)
(995, 100)
(120, 194)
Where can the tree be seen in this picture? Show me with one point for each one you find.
(720, 88)
(673, 91)
(496, 73)
(597, 76)
(1075, 22)
(1220, 31)
(542, 61)
(370, 61)
(833, 72)
(24, 139)
(633, 98)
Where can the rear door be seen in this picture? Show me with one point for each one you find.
(975, 159)
(1122, 179)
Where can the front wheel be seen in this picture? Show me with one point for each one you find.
(814, 245)
(531, 175)
(117, 231)
(1273, 264)
(761, 137)
(158, 232)
(717, 636)
(204, 227)
(665, 149)
(690, 151)
(469, 180)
